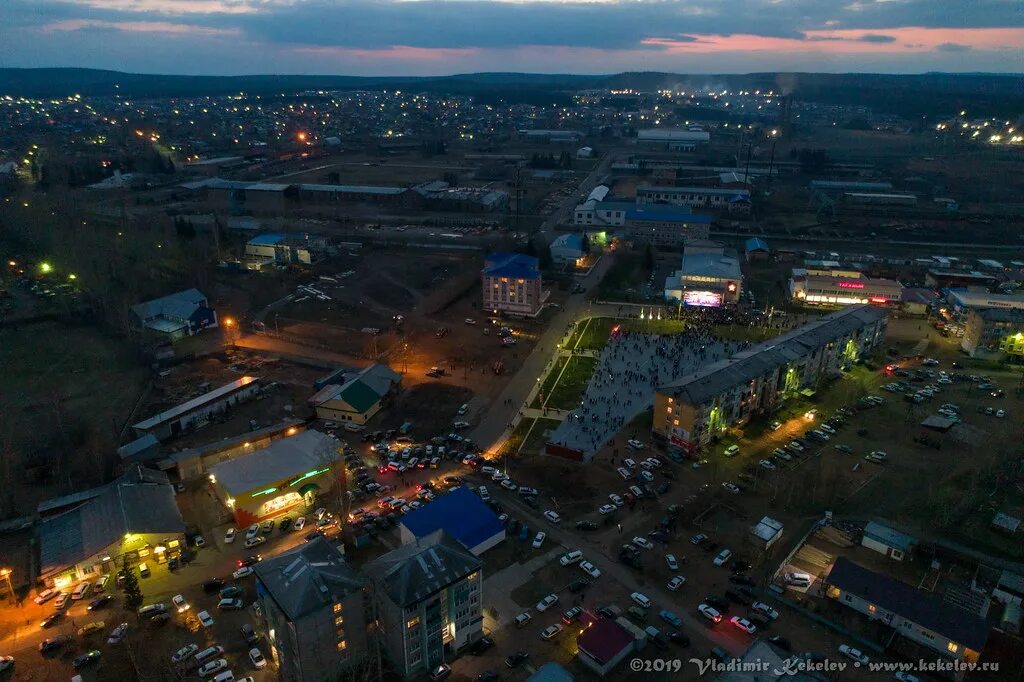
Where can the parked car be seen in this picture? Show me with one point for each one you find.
(853, 654)
(710, 613)
(547, 602)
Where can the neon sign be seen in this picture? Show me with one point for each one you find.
(878, 299)
(851, 285)
(309, 474)
(265, 492)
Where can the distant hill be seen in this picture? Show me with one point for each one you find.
(919, 94)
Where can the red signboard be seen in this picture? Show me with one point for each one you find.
(851, 285)
(878, 299)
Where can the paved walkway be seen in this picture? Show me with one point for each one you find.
(629, 370)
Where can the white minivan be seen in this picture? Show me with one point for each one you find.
(799, 579)
(81, 590)
(641, 600)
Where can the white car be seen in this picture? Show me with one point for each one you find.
(647, 476)
(553, 517)
(853, 654)
(252, 531)
(629, 464)
(498, 476)
(676, 582)
(257, 659)
(255, 542)
(765, 610)
(571, 557)
(507, 484)
(732, 488)
(670, 559)
(183, 653)
(300, 523)
(229, 536)
(212, 667)
(710, 613)
(643, 542)
(743, 624)
(551, 631)
(538, 540)
(180, 603)
(616, 500)
(722, 557)
(205, 618)
(243, 572)
(488, 470)
(605, 509)
(731, 451)
(635, 444)
(624, 473)
(460, 425)
(547, 602)
(590, 569)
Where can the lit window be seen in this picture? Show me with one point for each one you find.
(340, 620)
(675, 422)
(872, 608)
(472, 576)
(337, 608)
(953, 647)
(342, 645)
(413, 622)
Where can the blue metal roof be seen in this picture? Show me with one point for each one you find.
(515, 265)
(756, 244)
(460, 513)
(889, 536)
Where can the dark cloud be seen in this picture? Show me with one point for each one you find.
(876, 38)
(952, 47)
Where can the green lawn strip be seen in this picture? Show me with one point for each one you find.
(568, 391)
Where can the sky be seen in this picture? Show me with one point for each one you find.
(438, 37)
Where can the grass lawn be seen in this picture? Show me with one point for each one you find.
(567, 392)
(664, 327)
(549, 382)
(595, 334)
(515, 439)
(736, 332)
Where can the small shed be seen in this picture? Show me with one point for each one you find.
(766, 533)
(755, 249)
(888, 541)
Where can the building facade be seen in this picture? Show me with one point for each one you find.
(358, 399)
(429, 602)
(196, 412)
(716, 198)
(314, 608)
(842, 287)
(285, 476)
(652, 225)
(512, 284)
(178, 315)
(916, 615)
(709, 276)
(691, 412)
(994, 332)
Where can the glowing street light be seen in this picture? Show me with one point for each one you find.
(45, 267)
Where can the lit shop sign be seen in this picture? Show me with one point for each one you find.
(731, 287)
(704, 299)
(878, 299)
(851, 285)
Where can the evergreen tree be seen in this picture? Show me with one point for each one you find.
(132, 592)
(586, 243)
(649, 258)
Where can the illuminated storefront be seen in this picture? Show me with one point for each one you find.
(281, 478)
(833, 287)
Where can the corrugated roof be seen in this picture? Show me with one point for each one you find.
(352, 189)
(141, 501)
(186, 407)
(662, 213)
(756, 244)
(281, 459)
(413, 572)
(308, 578)
(889, 536)
(718, 265)
(917, 606)
(460, 513)
(179, 305)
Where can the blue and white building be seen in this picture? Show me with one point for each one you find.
(178, 315)
(462, 515)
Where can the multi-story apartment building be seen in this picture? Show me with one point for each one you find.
(314, 611)
(695, 409)
(994, 332)
(719, 198)
(511, 284)
(428, 596)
